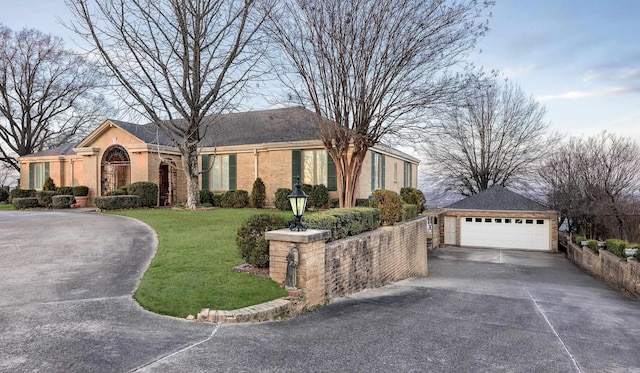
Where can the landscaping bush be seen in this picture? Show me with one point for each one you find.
(146, 191)
(282, 202)
(254, 248)
(334, 203)
(578, 238)
(593, 245)
(63, 201)
(345, 222)
(217, 200)
(45, 197)
(318, 196)
(616, 247)
(206, 196)
(235, 199)
(409, 211)
(21, 193)
(117, 202)
(258, 194)
(362, 202)
(25, 203)
(49, 185)
(80, 191)
(4, 195)
(413, 196)
(390, 205)
(116, 192)
(65, 191)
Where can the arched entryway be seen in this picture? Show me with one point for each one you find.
(167, 181)
(116, 169)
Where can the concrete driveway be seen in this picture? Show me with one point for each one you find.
(65, 305)
(65, 295)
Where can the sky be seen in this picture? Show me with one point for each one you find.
(579, 58)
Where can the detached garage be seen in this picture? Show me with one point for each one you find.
(499, 218)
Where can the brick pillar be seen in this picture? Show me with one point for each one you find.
(311, 252)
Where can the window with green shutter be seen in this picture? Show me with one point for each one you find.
(233, 172)
(332, 175)
(223, 173)
(205, 172)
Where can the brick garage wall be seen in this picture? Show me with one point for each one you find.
(376, 258)
(624, 276)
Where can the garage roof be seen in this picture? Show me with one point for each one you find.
(498, 198)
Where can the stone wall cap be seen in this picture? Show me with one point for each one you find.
(287, 235)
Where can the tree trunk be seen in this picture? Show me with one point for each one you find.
(190, 167)
(348, 168)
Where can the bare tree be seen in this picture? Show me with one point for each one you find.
(179, 62)
(369, 68)
(48, 94)
(493, 138)
(594, 181)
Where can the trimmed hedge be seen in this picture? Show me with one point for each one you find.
(617, 247)
(116, 192)
(65, 191)
(390, 205)
(258, 194)
(334, 203)
(117, 202)
(63, 201)
(282, 202)
(578, 238)
(254, 248)
(45, 197)
(4, 195)
(409, 211)
(21, 193)
(80, 191)
(345, 222)
(25, 203)
(235, 199)
(206, 196)
(147, 191)
(593, 245)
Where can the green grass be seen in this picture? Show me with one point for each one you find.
(193, 268)
(6, 206)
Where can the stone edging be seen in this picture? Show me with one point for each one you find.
(273, 310)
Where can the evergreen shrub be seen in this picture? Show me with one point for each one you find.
(206, 196)
(4, 195)
(117, 202)
(146, 191)
(25, 203)
(318, 196)
(235, 199)
(21, 193)
(345, 222)
(390, 205)
(254, 248)
(282, 202)
(45, 197)
(62, 201)
(65, 191)
(258, 194)
(80, 191)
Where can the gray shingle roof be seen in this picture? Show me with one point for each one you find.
(498, 198)
(66, 149)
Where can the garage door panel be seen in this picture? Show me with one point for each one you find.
(501, 234)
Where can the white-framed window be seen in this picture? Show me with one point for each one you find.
(219, 174)
(314, 167)
(377, 171)
(38, 175)
(408, 174)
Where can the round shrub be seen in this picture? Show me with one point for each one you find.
(45, 197)
(413, 196)
(63, 201)
(80, 191)
(319, 196)
(254, 248)
(235, 199)
(4, 195)
(258, 194)
(282, 202)
(146, 191)
(390, 205)
(206, 196)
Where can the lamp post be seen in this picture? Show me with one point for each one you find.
(298, 201)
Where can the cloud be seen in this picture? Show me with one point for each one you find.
(519, 71)
(573, 95)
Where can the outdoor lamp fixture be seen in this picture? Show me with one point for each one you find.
(298, 200)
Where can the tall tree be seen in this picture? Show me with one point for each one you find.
(179, 62)
(48, 94)
(369, 68)
(493, 137)
(592, 181)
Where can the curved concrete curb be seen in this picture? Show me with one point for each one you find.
(273, 310)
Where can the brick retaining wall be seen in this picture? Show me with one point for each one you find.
(622, 275)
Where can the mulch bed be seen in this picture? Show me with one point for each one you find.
(248, 268)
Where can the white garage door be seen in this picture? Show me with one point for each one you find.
(509, 233)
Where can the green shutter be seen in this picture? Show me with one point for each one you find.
(233, 172)
(383, 171)
(46, 170)
(32, 175)
(205, 172)
(332, 174)
(373, 171)
(410, 175)
(296, 166)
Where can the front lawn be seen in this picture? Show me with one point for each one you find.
(193, 268)
(6, 206)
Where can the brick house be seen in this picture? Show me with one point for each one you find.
(499, 218)
(276, 145)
